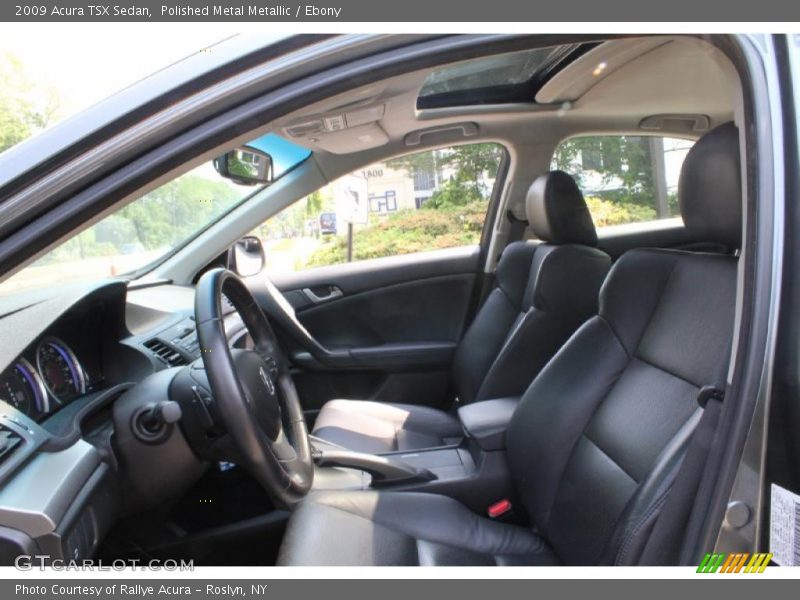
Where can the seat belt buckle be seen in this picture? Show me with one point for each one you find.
(709, 392)
(499, 509)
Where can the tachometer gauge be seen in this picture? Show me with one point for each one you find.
(22, 387)
(60, 370)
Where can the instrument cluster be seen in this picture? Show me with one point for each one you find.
(49, 378)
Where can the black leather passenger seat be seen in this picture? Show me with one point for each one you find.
(545, 290)
(599, 437)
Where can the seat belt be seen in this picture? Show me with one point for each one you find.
(516, 230)
(486, 282)
(664, 544)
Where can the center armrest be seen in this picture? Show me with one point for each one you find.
(486, 422)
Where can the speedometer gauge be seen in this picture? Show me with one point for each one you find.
(60, 370)
(22, 387)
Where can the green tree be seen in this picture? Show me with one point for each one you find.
(626, 160)
(291, 221)
(237, 167)
(469, 165)
(469, 162)
(411, 163)
(313, 204)
(472, 163)
(25, 107)
(170, 213)
(455, 192)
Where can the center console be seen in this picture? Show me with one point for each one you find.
(473, 471)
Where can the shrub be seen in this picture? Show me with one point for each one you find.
(406, 232)
(445, 226)
(607, 212)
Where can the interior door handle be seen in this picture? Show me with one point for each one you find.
(322, 293)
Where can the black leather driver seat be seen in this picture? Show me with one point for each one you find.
(545, 290)
(598, 437)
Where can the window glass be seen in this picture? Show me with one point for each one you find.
(625, 179)
(504, 69)
(424, 201)
(498, 79)
(150, 228)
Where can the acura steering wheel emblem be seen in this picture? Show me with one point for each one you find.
(267, 381)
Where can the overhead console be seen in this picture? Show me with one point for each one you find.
(349, 129)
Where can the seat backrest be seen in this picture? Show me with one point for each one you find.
(600, 433)
(545, 290)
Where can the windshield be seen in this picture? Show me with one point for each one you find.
(153, 226)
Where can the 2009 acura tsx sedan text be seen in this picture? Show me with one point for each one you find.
(408, 300)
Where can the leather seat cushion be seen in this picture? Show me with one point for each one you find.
(391, 529)
(376, 427)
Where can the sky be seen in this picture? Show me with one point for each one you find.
(87, 62)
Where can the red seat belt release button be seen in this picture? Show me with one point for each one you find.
(499, 508)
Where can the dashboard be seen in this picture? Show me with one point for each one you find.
(73, 361)
(64, 365)
(87, 349)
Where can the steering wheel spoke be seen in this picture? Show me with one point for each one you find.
(253, 390)
(283, 449)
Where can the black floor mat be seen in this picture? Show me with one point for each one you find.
(226, 519)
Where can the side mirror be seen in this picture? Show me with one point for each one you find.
(246, 166)
(247, 257)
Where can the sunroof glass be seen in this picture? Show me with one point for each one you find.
(493, 71)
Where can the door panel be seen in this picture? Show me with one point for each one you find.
(367, 275)
(421, 310)
(397, 320)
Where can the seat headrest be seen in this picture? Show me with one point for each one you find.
(710, 187)
(557, 212)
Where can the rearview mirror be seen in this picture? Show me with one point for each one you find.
(247, 257)
(246, 166)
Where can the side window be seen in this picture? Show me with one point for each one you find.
(425, 201)
(625, 179)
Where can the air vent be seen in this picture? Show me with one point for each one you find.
(8, 441)
(172, 357)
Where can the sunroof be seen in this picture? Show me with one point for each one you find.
(513, 77)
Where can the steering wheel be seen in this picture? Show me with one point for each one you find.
(253, 390)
